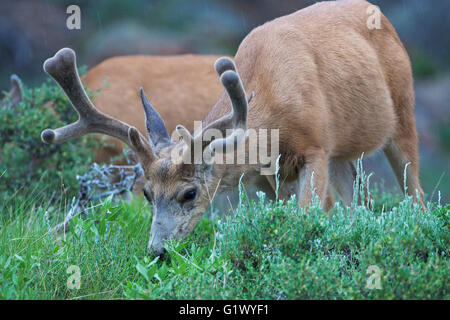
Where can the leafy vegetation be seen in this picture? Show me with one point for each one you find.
(25, 162)
(268, 250)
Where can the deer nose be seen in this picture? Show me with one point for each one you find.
(156, 245)
(157, 249)
(160, 252)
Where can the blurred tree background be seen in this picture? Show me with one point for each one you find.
(33, 30)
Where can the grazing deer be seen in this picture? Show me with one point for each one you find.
(173, 82)
(184, 87)
(333, 88)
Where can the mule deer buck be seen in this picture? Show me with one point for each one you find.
(184, 87)
(333, 88)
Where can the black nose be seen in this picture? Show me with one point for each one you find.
(161, 253)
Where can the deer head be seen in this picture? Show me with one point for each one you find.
(179, 191)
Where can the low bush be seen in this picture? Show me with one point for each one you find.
(26, 163)
(268, 250)
(278, 251)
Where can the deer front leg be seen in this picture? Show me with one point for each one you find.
(313, 176)
(285, 189)
(342, 175)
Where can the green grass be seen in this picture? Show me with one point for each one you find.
(266, 251)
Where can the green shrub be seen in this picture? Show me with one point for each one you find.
(34, 261)
(267, 250)
(444, 136)
(278, 251)
(25, 161)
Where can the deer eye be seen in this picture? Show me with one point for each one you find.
(188, 195)
(147, 195)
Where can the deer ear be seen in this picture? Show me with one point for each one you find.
(16, 91)
(156, 129)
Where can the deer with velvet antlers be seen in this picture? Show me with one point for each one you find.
(333, 88)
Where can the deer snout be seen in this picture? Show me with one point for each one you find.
(162, 230)
(156, 242)
(159, 250)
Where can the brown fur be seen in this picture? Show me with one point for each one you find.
(334, 88)
(183, 88)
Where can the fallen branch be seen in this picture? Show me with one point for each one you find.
(99, 183)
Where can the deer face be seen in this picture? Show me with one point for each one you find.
(177, 205)
(179, 191)
(179, 188)
(179, 194)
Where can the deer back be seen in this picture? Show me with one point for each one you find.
(183, 87)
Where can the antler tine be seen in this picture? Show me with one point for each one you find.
(62, 68)
(185, 134)
(233, 85)
(224, 64)
(238, 117)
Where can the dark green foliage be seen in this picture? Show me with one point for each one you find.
(278, 251)
(26, 162)
(34, 262)
(266, 251)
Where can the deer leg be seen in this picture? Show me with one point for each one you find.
(286, 190)
(342, 177)
(342, 174)
(400, 152)
(313, 176)
(329, 200)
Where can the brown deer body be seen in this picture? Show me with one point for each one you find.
(184, 87)
(173, 82)
(333, 88)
